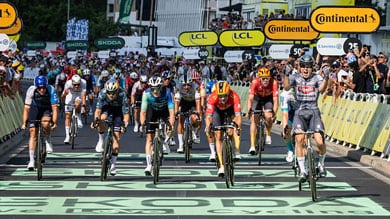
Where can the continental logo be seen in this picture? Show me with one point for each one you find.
(200, 38)
(241, 38)
(290, 30)
(329, 19)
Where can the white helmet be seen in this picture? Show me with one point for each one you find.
(112, 85)
(62, 76)
(155, 81)
(133, 75)
(76, 79)
(186, 79)
(144, 78)
(86, 71)
(105, 73)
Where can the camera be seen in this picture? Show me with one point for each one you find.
(376, 87)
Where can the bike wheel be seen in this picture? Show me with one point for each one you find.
(312, 174)
(73, 130)
(105, 158)
(227, 159)
(231, 163)
(187, 149)
(260, 140)
(39, 156)
(156, 159)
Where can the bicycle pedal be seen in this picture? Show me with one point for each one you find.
(147, 173)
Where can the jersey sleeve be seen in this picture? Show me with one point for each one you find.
(53, 94)
(125, 106)
(275, 90)
(171, 104)
(29, 95)
(211, 104)
(237, 103)
(145, 100)
(253, 87)
(99, 102)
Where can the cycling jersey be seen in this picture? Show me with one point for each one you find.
(34, 99)
(306, 90)
(91, 83)
(258, 90)
(119, 102)
(157, 103)
(213, 103)
(191, 95)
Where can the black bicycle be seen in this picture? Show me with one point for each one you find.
(73, 127)
(40, 149)
(227, 151)
(107, 147)
(157, 152)
(260, 133)
(187, 134)
(311, 166)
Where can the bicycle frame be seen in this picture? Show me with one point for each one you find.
(260, 133)
(158, 155)
(107, 146)
(40, 150)
(73, 127)
(187, 134)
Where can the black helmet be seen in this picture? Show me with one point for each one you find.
(306, 60)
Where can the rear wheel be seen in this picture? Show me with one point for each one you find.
(156, 159)
(260, 139)
(312, 174)
(187, 139)
(105, 158)
(228, 163)
(39, 156)
(73, 130)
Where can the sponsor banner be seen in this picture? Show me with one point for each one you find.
(191, 54)
(110, 43)
(331, 46)
(231, 56)
(290, 30)
(14, 28)
(35, 45)
(71, 54)
(8, 14)
(104, 54)
(280, 51)
(199, 38)
(31, 53)
(76, 45)
(330, 19)
(241, 38)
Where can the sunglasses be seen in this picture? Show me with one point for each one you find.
(187, 85)
(155, 88)
(166, 79)
(306, 66)
(41, 88)
(111, 92)
(382, 57)
(76, 85)
(223, 96)
(265, 79)
(345, 66)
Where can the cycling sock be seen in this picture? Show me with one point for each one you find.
(268, 131)
(321, 159)
(220, 160)
(113, 158)
(237, 143)
(253, 139)
(136, 123)
(212, 148)
(289, 146)
(67, 128)
(31, 152)
(180, 139)
(101, 136)
(148, 160)
(301, 163)
(48, 138)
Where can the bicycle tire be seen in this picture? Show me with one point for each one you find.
(231, 163)
(312, 174)
(39, 155)
(228, 159)
(73, 130)
(105, 158)
(260, 140)
(187, 150)
(156, 159)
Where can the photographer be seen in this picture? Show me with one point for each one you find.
(371, 71)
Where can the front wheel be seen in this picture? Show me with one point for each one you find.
(228, 163)
(260, 140)
(156, 159)
(40, 156)
(105, 158)
(312, 174)
(187, 139)
(73, 130)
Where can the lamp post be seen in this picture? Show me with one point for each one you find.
(68, 8)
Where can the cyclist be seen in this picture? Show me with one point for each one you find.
(167, 78)
(75, 96)
(104, 76)
(136, 98)
(120, 78)
(307, 115)
(130, 81)
(187, 98)
(112, 100)
(40, 104)
(156, 103)
(91, 87)
(263, 95)
(222, 102)
(210, 138)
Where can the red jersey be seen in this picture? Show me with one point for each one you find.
(257, 89)
(233, 100)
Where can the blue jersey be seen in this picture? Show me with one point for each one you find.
(157, 103)
(35, 99)
(120, 101)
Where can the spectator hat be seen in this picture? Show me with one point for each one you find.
(335, 64)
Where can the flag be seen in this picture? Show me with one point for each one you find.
(124, 11)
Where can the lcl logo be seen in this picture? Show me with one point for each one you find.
(198, 36)
(242, 35)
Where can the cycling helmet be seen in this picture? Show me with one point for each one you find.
(210, 87)
(117, 70)
(186, 79)
(40, 81)
(195, 75)
(306, 60)
(112, 85)
(166, 74)
(263, 73)
(86, 72)
(222, 88)
(62, 77)
(76, 79)
(155, 81)
(144, 78)
(105, 73)
(133, 75)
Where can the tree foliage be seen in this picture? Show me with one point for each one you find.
(45, 20)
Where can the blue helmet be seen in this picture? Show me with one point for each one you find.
(166, 74)
(209, 86)
(40, 81)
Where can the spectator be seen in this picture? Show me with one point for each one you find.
(383, 70)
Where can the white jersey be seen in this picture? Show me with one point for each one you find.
(192, 95)
(76, 90)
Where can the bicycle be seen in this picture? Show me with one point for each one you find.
(227, 152)
(157, 152)
(260, 133)
(107, 146)
(40, 150)
(73, 127)
(187, 134)
(311, 164)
